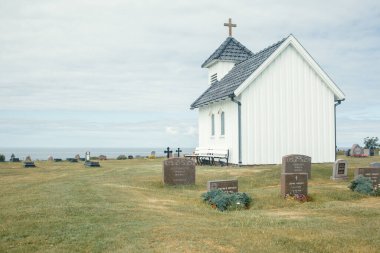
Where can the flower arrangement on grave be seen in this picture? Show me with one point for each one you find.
(223, 201)
(298, 197)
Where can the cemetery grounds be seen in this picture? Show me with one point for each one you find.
(124, 207)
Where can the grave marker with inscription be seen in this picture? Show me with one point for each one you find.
(224, 185)
(294, 183)
(178, 171)
(372, 173)
(296, 164)
(340, 170)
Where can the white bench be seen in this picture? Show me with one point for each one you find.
(210, 154)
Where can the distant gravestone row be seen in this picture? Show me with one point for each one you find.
(357, 151)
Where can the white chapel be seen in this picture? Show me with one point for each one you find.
(262, 106)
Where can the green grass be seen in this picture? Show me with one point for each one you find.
(124, 207)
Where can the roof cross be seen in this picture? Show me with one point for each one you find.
(230, 25)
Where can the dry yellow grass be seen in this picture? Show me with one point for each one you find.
(124, 207)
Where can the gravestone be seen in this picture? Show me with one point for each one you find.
(296, 164)
(50, 159)
(356, 150)
(374, 165)
(178, 171)
(28, 159)
(372, 173)
(347, 152)
(294, 183)
(168, 152)
(57, 160)
(29, 164)
(77, 157)
(130, 157)
(340, 168)
(91, 164)
(224, 185)
(178, 151)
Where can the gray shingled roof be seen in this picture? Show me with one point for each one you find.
(230, 50)
(232, 80)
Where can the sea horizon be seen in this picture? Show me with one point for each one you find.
(43, 153)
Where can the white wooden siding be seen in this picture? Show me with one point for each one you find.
(221, 68)
(288, 109)
(230, 138)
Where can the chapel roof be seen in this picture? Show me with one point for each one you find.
(238, 74)
(229, 50)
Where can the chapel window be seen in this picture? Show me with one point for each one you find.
(222, 124)
(212, 125)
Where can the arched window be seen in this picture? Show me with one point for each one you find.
(222, 123)
(212, 124)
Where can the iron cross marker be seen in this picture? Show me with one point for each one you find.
(230, 25)
(178, 151)
(168, 152)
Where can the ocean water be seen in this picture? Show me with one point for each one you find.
(63, 153)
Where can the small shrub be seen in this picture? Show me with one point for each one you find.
(227, 201)
(102, 157)
(362, 185)
(2, 158)
(122, 157)
(151, 157)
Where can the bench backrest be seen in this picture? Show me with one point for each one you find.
(222, 153)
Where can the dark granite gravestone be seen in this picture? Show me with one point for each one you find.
(178, 171)
(340, 168)
(347, 152)
(130, 157)
(356, 150)
(57, 160)
(296, 164)
(91, 164)
(29, 164)
(224, 185)
(374, 165)
(372, 173)
(294, 183)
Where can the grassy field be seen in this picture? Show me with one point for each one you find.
(124, 207)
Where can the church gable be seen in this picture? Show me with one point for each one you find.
(291, 40)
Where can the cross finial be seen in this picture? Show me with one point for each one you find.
(230, 25)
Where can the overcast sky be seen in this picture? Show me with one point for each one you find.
(91, 73)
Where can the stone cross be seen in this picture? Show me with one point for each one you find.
(178, 151)
(230, 25)
(168, 152)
